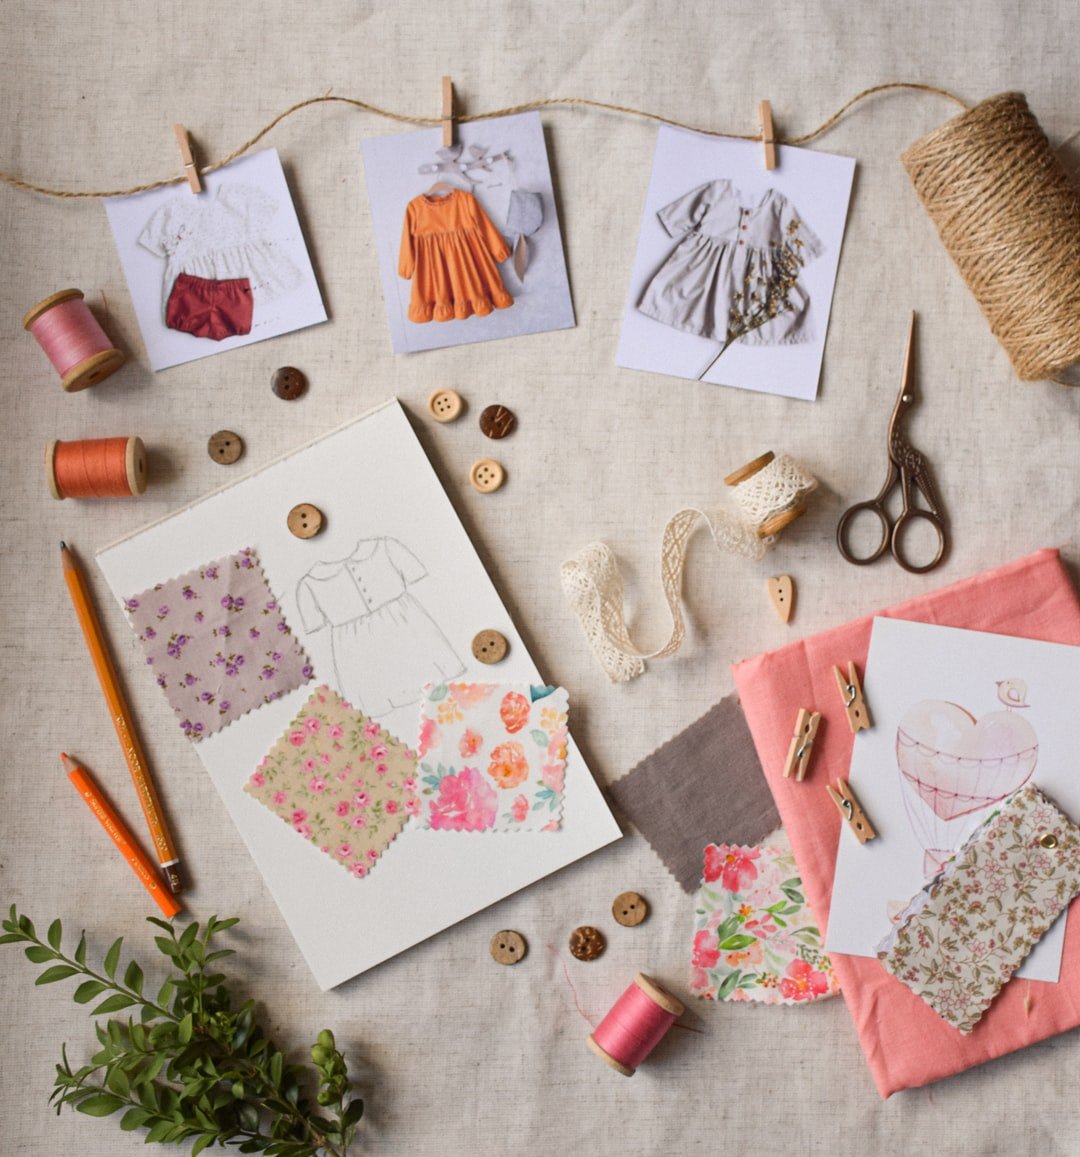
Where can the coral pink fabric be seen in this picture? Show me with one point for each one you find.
(905, 1042)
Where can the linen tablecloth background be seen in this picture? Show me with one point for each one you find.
(454, 1053)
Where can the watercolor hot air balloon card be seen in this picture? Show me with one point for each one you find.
(961, 720)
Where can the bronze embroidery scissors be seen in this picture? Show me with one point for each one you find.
(909, 470)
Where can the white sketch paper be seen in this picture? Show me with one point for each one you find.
(961, 720)
(706, 196)
(373, 482)
(215, 270)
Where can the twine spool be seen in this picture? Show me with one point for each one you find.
(637, 1023)
(1008, 213)
(96, 468)
(80, 350)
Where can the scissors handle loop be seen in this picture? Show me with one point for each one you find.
(875, 507)
(910, 515)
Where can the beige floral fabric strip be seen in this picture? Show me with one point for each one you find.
(962, 938)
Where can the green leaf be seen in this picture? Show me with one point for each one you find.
(184, 1029)
(38, 954)
(188, 937)
(353, 1113)
(118, 1082)
(133, 1118)
(133, 977)
(164, 924)
(88, 990)
(11, 937)
(113, 1004)
(80, 951)
(158, 1132)
(730, 984)
(55, 934)
(438, 694)
(167, 947)
(736, 943)
(166, 993)
(100, 1105)
(201, 1143)
(112, 958)
(57, 972)
(248, 1116)
(539, 737)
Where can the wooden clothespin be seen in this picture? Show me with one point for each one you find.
(768, 134)
(782, 595)
(802, 743)
(191, 170)
(447, 112)
(850, 809)
(858, 714)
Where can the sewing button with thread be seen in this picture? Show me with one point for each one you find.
(225, 447)
(445, 405)
(497, 422)
(490, 646)
(486, 475)
(587, 942)
(305, 520)
(508, 947)
(288, 383)
(629, 909)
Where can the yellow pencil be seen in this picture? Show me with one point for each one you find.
(168, 859)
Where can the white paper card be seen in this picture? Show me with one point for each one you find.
(961, 719)
(372, 480)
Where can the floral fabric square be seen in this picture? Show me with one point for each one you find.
(340, 781)
(755, 938)
(492, 757)
(217, 642)
(964, 935)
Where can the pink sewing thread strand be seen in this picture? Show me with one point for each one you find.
(635, 1025)
(69, 334)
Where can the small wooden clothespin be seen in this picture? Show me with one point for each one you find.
(447, 112)
(858, 714)
(191, 170)
(782, 595)
(802, 743)
(850, 809)
(768, 134)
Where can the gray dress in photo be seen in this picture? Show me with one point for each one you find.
(732, 245)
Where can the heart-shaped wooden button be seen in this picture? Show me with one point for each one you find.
(782, 595)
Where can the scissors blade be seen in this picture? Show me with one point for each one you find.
(905, 399)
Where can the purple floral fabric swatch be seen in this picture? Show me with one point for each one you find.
(217, 643)
(340, 781)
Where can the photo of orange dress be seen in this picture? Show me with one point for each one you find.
(451, 250)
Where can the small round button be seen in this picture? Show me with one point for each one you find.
(1049, 840)
(508, 947)
(445, 405)
(305, 520)
(497, 421)
(629, 909)
(288, 383)
(587, 943)
(486, 475)
(490, 647)
(225, 447)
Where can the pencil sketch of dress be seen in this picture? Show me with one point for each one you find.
(384, 643)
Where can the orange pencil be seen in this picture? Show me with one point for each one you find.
(121, 837)
(168, 860)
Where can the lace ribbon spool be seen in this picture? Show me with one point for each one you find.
(769, 493)
(81, 352)
(638, 1021)
(1008, 212)
(96, 468)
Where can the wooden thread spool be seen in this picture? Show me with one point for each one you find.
(96, 468)
(81, 352)
(636, 1024)
(1008, 212)
(778, 521)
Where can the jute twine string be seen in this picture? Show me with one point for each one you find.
(1008, 212)
(404, 118)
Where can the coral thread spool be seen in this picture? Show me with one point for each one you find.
(96, 468)
(637, 1023)
(81, 352)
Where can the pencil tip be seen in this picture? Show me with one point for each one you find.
(66, 760)
(63, 545)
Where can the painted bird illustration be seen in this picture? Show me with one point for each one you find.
(1012, 692)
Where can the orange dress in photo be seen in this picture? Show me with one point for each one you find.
(451, 250)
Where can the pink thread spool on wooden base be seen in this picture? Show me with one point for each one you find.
(80, 350)
(96, 468)
(637, 1023)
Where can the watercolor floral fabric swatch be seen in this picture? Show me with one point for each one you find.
(492, 757)
(217, 642)
(755, 938)
(340, 781)
(964, 935)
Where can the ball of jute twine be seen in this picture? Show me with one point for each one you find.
(1008, 213)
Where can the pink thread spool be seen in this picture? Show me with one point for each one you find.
(637, 1023)
(79, 349)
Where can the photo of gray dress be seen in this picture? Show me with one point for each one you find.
(734, 273)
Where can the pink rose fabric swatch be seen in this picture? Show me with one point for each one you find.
(755, 938)
(492, 757)
(340, 781)
(217, 643)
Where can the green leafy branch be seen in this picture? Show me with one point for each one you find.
(190, 1066)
